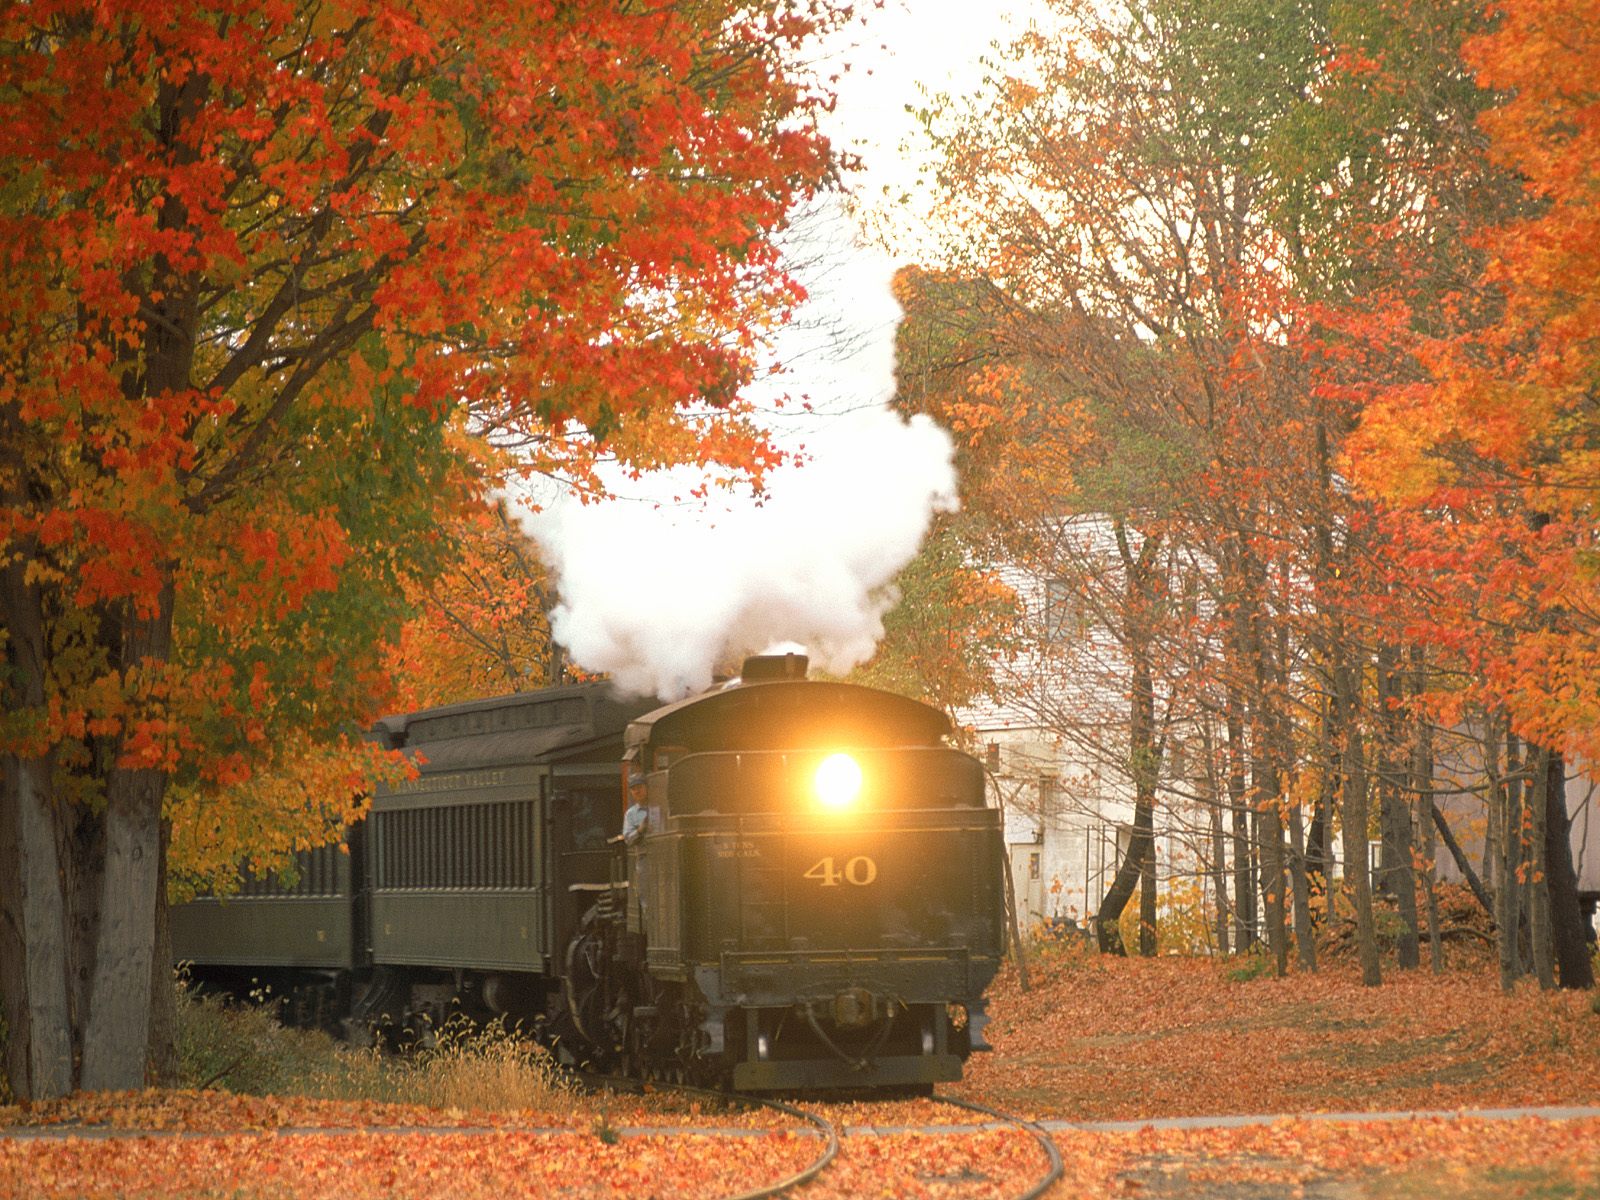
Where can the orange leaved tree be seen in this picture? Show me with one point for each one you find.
(1488, 451)
(258, 255)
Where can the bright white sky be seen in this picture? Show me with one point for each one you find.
(890, 60)
(899, 55)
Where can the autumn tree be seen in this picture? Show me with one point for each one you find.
(1484, 448)
(482, 627)
(257, 259)
(1113, 186)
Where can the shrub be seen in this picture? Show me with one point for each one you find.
(243, 1048)
(1251, 966)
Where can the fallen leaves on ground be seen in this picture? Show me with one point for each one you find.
(1095, 1039)
(1289, 1158)
(406, 1166)
(1100, 1038)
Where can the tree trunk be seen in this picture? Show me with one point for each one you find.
(1269, 829)
(1305, 939)
(1353, 807)
(1218, 866)
(33, 914)
(1147, 903)
(1538, 877)
(1462, 861)
(1421, 788)
(1398, 876)
(116, 1032)
(1505, 818)
(1129, 872)
(162, 1046)
(1574, 967)
(1319, 837)
(33, 937)
(1267, 801)
(1144, 755)
(1244, 895)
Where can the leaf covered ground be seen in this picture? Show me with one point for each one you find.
(1100, 1038)
(1093, 1040)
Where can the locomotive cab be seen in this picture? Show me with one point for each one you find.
(818, 897)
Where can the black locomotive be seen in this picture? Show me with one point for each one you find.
(809, 895)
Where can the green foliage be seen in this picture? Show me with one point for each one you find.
(1252, 966)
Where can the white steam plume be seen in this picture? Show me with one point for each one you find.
(657, 594)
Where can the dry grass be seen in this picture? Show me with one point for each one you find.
(487, 1069)
(242, 1048)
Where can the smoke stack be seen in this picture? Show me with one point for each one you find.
(773, 668)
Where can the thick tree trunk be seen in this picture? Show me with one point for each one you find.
(33, 914)
(117, 1032)
(117, 1027)
(1129, 872)
(1574, 967)
(1140, 857)
(1147, 904)
(33, 937)
(1319, 836)
(1144, 754)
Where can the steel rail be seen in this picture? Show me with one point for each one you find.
(830, 1133)
(1040, 1135)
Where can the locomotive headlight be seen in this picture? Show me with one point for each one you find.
(838, 781)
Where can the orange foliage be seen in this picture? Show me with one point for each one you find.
(1491, 455)
(262, 263)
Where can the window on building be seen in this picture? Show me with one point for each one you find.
(991, 757)
(1049, 786)
(1033, 865)
(1063, 614)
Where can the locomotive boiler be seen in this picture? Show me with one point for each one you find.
(809, 895)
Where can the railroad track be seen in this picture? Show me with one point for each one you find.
(830, 1136)
(1047, 1143)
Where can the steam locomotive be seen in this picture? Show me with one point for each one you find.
(809, 895)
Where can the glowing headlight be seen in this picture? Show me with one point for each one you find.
(838, 781)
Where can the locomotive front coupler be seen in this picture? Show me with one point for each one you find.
(856, 1008)
(861, 1008)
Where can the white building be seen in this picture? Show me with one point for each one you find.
(1055, 743)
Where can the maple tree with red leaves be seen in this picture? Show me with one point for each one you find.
(259, 259)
